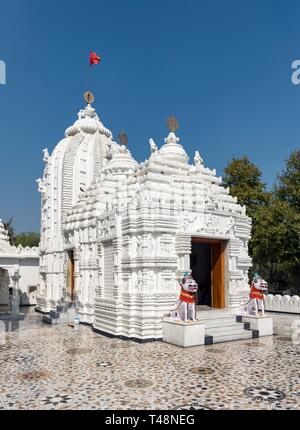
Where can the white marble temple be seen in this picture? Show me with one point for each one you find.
(127, 228)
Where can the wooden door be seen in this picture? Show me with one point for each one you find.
(218, 284)
(70, 276)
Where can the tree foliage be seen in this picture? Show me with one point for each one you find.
(27, 239)
(275, 242)
(244, 180)
(287, 187)
(24, 239)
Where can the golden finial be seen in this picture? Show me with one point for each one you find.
(172, 124)
(89, 97)
(123, 139)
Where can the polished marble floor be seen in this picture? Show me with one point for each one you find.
(60, 367)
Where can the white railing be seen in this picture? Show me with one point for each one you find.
(279, 303)
(27, 250)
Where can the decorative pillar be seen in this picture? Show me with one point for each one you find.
(183, 247)
(77, 291)
(15, 303)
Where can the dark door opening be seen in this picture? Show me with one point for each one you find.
(70, 275)
(201, 271)
(207, 265)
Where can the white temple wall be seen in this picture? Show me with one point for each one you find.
(154, 257)
(138, 278)
(4, 286)
(28, 268)
(29, 271)
(144, 282)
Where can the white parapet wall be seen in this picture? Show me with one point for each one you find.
(279, 303)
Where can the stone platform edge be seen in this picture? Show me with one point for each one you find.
(183, 334)
(262, 323)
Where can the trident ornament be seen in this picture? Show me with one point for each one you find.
(123, 139)
(172, 124)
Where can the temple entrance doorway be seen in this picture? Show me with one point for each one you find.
(70, 275)
(207, 265)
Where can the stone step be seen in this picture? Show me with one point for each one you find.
(54, 314)
(64, 314)
(220, 322)
(247, 334)
(48, 320)
(218, 331)
(224, 326)
(214, 315)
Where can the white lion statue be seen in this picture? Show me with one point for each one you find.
(258, 288)
(186, 306)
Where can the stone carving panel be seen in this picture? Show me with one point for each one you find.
(168, 282)
(208, 224)
(144, 281)
(144, 245)
(105, 227)
(167, 244)
(126, 246)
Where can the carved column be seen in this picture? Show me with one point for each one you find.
(100, 287)
(183, 245)
(76, 257)
(117, 252)
(15, 301)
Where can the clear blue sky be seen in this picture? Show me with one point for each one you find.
(222, 67)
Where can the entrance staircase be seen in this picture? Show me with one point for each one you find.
(63, 314)
(224, 326)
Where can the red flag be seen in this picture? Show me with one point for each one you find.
(94, 58)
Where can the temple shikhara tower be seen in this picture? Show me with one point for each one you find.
(118, 235)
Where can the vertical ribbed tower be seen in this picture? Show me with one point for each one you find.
(69, 171)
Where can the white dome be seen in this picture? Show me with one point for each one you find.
(71, 131)
(122, 162)
(87, 125)
(88, 122)
(172, 150)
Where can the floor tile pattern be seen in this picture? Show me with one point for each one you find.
(61, 367)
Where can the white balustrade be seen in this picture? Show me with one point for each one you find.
(279, 303)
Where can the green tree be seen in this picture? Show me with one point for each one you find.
(275, 240)
(287, 190)
(276, 244)
(244, 180)
(27, 239)
(287, 187)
